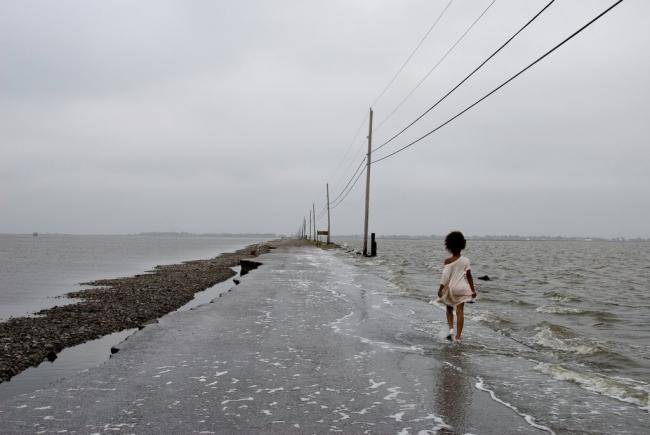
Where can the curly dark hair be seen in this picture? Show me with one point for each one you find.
(455, 242)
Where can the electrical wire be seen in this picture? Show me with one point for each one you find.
(350, 180)
(352, 142)
(345, 191)
(502, 84)
(466, 77)
(410, 56)
(426, 76)
(390, 83)
(349, 190)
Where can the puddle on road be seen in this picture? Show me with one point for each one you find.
(69, 362)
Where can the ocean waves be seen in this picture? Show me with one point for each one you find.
(563, 319)
(561, 339)
(619, 388)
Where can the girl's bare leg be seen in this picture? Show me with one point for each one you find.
(460, 313)
(450, 317)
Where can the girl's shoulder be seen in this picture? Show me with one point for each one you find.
(451, 259)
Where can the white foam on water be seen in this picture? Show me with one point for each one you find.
(485, 316)
(547, 338)
(274, 390)
(619, 388)
(558, 309)
(245, 399)
(480, 385)
(335, 324)
(394, 391)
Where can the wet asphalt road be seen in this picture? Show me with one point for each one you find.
(307, 343)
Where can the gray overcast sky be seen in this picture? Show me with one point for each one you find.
(211, 116)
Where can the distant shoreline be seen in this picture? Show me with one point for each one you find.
(501, 238)
(270, 236)
(153, 234)
(185, 234)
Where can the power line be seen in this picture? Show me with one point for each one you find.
(408, 59)
(426, 76)
(467, 77)
(350, 180)
(345, 191)
(349, 190)
(502, 84)
(352, 160)
(399, 71)
(354, 139)
(323, 208)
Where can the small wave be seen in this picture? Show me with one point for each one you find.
(623, 389)
(558, 338)
(558, 309)
(488, 317)
(561, 297)
(480, 385)
(600, 316)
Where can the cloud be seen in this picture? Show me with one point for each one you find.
(231, 116)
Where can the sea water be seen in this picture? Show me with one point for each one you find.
(561, 331)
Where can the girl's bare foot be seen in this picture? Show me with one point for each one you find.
(450, 336)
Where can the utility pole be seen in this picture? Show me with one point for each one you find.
(310, 232)
(304, 226)
(313, 206)
(368, 161)
(327, 187)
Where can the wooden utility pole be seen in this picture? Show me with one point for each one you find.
(313, 206)
(310, 232)
(304, 226)
(327, 187)
(368, 161)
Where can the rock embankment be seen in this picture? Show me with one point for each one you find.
(112, 305)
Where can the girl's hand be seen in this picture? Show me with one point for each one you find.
(473, 295)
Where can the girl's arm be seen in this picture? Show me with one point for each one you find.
(471, 283)
(440, 290)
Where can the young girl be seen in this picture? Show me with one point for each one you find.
(456, 285)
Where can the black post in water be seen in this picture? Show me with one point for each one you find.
(373, 245)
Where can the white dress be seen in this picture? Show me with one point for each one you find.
(454, 279)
